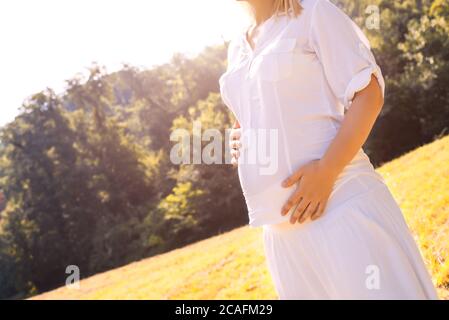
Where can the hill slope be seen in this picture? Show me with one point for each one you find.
(232, 265)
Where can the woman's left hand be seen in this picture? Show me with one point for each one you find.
(314, 188)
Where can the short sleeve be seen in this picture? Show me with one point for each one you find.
(343, 50)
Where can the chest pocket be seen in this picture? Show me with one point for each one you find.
(276, 62)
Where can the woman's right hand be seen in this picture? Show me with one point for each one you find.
(234, 143)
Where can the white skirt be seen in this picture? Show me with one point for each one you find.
(361, 248)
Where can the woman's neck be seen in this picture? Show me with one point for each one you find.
(261, 10)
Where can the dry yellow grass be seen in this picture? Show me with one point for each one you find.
(419, 181)
(232, 265)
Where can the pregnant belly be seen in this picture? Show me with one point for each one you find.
(261, 168)
(265, 196)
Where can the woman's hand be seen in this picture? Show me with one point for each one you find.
(318, 176)
(311, 195)
(234, 143)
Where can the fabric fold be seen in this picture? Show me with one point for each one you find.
(360, 81)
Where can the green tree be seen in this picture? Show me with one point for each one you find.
(46, 222)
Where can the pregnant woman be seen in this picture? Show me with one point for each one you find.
(303, 81)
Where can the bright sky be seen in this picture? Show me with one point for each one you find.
(45, 42)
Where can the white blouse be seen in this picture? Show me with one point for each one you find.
(289, 95)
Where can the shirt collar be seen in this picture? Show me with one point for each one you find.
(267, 30)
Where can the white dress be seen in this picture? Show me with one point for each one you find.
(289, 95)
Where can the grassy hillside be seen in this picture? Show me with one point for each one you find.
(232, 265)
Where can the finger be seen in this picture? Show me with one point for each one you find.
(235, 134)
(235, 153)
(293, 178)
(299, 210)
(235, 144)
(317, 210)
(320, 210)
(291, 201)
(311, 208)
(234, 162)
(304, 214)
(292, 217)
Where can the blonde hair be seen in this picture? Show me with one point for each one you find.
(289, 7)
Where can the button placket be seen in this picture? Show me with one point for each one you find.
(250, 56)
(267, 29)
(255, 96)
